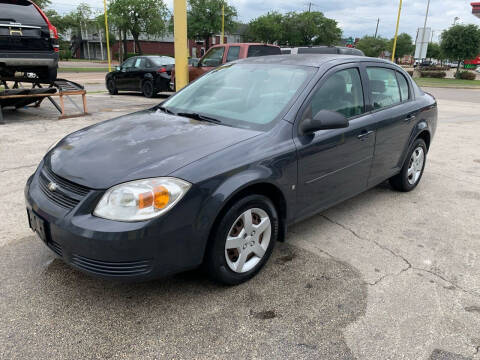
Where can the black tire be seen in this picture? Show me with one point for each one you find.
(403, 181)
(148, 89)
(215, 259)
(112, 87)
(50, 75)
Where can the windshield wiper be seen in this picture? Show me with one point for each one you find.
(164, 109)
(199, 117)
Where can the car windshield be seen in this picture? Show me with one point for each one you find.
(248, 96)
(162, 60)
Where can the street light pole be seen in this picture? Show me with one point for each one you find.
(396, 31)
(425, 27)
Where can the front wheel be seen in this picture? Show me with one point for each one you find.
(243, 240)
(412, 170)
(112, 87)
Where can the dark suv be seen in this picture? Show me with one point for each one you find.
(28, 41)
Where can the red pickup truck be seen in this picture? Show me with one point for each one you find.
(221, 54)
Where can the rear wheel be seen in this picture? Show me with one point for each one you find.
(148, 89)
(112, 87)
(412, 170)
(243, 240)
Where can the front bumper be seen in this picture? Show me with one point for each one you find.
(118, 250)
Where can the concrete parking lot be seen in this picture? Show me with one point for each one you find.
(385, 275)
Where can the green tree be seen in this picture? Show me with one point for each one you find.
(267, 28)
(310, 28)
(205, 19)
(140, 17)
(372, 46)
(42, 4)
(461, 42)
(404, 46)
(434, 51)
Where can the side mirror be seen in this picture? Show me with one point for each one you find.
(324, 120)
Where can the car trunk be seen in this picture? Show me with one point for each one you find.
(22, 28)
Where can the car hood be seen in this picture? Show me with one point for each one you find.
(146, 144)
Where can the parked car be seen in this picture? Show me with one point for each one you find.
(215, 174)
(28, 41)
(424, 63)
(224, 53)
(146, 74)
(342, 50)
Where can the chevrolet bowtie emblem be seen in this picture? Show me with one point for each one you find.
(52, 186)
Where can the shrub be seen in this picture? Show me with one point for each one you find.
(433, 74)
(65, 54)
(467, 75)
(435, 68)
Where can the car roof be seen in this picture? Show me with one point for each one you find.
(313, 60)
(244, 44)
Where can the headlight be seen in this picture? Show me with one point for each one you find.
(141, 199)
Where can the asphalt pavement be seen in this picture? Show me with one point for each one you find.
(384, 275)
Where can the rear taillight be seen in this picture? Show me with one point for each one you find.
(162, 70)
(52, 29)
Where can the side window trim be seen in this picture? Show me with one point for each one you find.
(398, 74)
(306, 103)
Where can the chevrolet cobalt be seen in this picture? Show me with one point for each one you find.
(215, 174)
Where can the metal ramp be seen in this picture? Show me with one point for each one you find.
(18, 96)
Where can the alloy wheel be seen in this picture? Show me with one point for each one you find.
(415, 166)
(248, 240)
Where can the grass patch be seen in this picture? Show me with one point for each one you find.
(453, 83)
(82, 70)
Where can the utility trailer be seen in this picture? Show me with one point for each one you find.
(18, 96)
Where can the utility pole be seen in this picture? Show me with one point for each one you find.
(376, 31)
(223, 24)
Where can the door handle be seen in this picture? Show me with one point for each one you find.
(410, 117)
(365, 135)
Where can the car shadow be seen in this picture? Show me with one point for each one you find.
(295, 308)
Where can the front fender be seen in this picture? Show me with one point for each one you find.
(225, 191)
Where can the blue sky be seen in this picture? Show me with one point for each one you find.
(355, 17)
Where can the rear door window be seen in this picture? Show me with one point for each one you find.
(233, 53)
(262, 50)
(20, 11)
(384, 89)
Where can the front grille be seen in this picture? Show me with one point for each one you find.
(55, 247)
(66, 195)
(126, 268)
